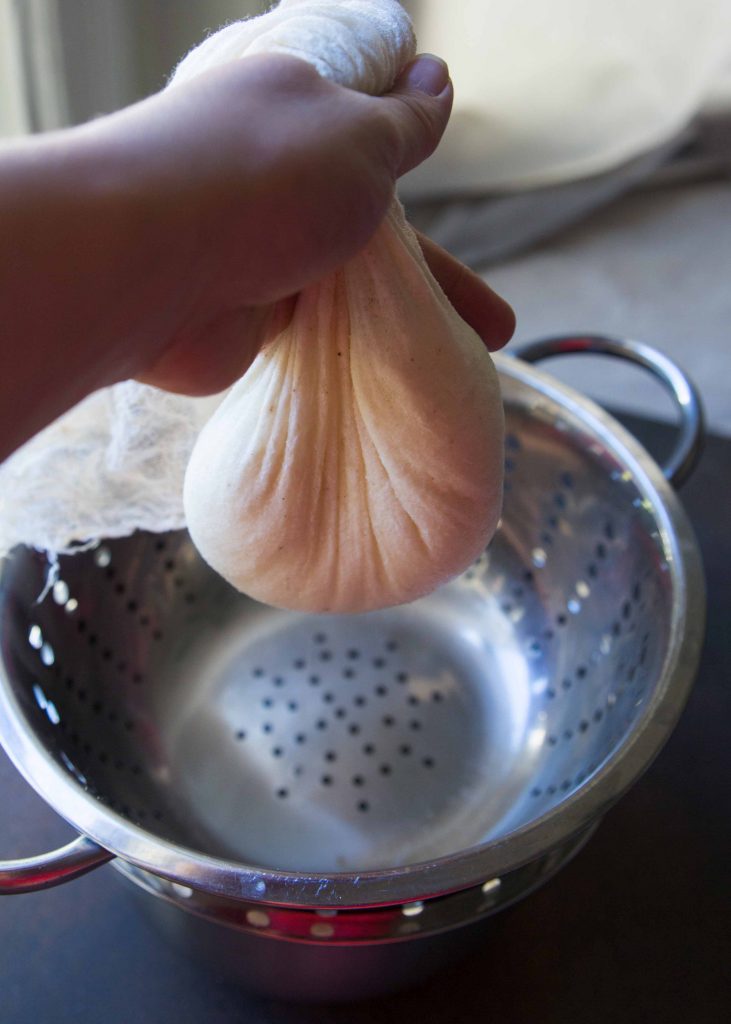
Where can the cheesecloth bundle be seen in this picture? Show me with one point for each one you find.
(116, 463)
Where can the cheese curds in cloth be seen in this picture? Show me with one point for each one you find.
(357, 464)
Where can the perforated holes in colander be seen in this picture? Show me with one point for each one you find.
(352, 723)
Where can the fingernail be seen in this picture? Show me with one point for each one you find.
(428, 74)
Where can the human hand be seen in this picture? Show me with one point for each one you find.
(292, 177)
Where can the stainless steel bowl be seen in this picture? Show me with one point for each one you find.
(320, 801)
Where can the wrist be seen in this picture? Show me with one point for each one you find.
(140, 250)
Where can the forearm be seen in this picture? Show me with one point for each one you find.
(80, 277)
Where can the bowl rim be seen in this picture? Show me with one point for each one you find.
(466, 868)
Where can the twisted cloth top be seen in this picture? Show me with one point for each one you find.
(362, 44)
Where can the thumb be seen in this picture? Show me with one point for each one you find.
(419, 106)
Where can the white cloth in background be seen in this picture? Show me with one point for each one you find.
(551, 92)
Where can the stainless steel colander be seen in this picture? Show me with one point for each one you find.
(356, 786)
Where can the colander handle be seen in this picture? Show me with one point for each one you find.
(49, 869)
(684, 393)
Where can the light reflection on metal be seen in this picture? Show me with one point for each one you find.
(102, 557)
(258, 918)
(536, 738)
(539, 557)
(322, 930)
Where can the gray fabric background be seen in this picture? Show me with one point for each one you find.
(643, 252)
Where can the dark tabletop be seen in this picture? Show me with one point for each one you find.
(636, 929)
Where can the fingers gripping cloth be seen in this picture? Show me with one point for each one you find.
(358, 462)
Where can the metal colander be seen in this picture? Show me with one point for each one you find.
(355, 779)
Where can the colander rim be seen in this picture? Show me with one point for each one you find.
(466, 868)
